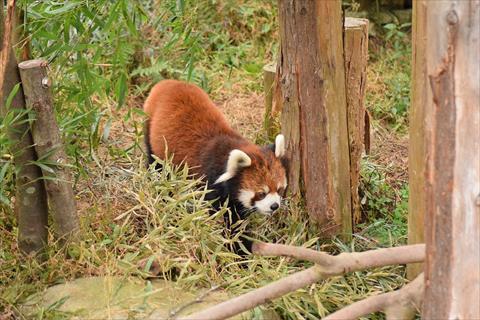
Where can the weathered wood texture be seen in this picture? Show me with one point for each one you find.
(314, 120)
(30, 196)
(49, 147)
(417, 160)
(452, 112)
(268, 83)
(356, 57)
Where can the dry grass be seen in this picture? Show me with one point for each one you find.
(132, 216)
(390, 151)
(245, 112)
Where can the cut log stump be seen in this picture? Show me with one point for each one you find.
(356, 57)
(30, 204)
(49, 147)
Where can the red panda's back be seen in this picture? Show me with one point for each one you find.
(182, 118)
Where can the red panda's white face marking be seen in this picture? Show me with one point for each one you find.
(263, 201)
(269, 203)
(263, 183)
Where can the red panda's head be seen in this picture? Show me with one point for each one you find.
(259, 176)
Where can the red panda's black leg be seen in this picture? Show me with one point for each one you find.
(230, 226)
(148, 147)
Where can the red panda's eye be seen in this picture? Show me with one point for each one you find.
(261, 195)
(281, 191)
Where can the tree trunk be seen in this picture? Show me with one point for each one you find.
(417, 153)
(356, 56)
(314, 119)
(452, 230)
(49, 148)
(30, 197)
(20, 38)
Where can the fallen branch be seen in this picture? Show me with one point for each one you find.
(347, 261)
(198, 299)
(400, 304)
(326, 266)
(259, 296)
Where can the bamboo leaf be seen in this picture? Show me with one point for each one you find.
(121, 90)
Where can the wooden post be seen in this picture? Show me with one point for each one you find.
(417, 154)
(356, 57)
(268, 81)
(314, 119)
(49, 147)
(452, 109)
(31, 199)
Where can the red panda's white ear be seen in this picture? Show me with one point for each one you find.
(237, 159)
(279, 146)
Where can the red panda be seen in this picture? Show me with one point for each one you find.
(185, 124)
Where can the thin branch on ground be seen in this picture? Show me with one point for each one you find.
(400, 304)
(198, 299)
(326, 266)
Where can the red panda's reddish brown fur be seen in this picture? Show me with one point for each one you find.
(184, 123)
(183, 115)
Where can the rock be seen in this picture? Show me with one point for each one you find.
(124, 298)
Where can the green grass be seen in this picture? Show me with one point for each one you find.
(389, 67)
(132, 217)
(384, 208)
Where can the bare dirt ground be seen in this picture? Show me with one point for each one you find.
(244, 112)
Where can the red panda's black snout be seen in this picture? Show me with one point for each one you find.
(183, 123)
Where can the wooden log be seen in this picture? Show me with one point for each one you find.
(452, 220)
(356, 57)
(49, 147)
(30, 197)
(416, 151)
(314, 120)
(268, 82)
(396, 305)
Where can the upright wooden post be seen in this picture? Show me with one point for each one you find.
(314, 119)
(356, 57)
(31, 199)
(452, 109)
(268, 82)
(49, 147)
(417, 160)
